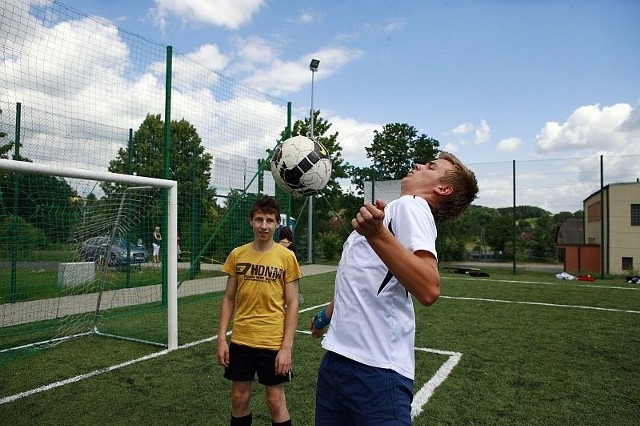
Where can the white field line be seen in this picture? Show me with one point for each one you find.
(554, 305)
(100, 371)
(562, 283)
(420, 399)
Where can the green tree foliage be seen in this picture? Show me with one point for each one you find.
(28, 237)
(189, 165)
(393, 151)
(523, 212)
(498, 232)
(330, 243)
(5, 149)
(543, 239)
(46, 203)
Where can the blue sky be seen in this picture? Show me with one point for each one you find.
(492, 80)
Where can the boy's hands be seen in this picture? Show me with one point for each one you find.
(222, 352)
(368, 221)
(283, 361)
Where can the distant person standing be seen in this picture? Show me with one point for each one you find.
(285, 238)
(157, 240)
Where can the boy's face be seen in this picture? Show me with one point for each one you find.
(264, 225)
(424, 178)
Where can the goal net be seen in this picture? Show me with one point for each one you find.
(76, 257)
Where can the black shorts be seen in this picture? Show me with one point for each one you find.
(245, 362)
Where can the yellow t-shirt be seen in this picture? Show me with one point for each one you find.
(260, 297)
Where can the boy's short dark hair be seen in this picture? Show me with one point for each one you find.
(267, 205)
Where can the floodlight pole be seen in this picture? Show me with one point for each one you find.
(313, 66)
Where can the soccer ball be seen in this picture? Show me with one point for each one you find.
(301, 166)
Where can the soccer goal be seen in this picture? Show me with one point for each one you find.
(75, 257)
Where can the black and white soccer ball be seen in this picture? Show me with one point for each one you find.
(301, 166)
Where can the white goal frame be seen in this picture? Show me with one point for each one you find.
(172, 231)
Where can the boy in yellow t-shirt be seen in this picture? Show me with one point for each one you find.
(262, 287)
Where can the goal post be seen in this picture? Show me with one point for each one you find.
(96, 211)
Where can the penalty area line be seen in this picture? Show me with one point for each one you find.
(421, 398)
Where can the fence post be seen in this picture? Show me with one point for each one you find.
(16, 196)
(602, 245)
(515, 225)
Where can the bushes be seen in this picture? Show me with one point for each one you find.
(330, 244)
(28, 237)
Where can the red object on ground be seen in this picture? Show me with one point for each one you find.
(586, 277)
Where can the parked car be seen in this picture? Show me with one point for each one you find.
(95, 250)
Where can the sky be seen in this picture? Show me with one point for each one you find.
(491, 80)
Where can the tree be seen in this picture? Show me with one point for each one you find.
(543, 239)
(44, 202)
(393, 151)
(499, 232)
(189, 165)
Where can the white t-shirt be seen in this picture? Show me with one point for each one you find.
(373, 320)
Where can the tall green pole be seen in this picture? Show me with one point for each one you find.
(515, 224)
(14, 218)
(196, 202)
(287, 136)
(128, 236)
(166, 164)
(602, 228)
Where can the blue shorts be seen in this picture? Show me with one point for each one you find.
(351, 393)
(245, 362)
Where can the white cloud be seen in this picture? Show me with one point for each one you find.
(305, 18)
(284, 77)
(353, 137)
(392, 26)
(480, 133)
(592, 129)
(451, 147)
(509, 144)
(256, 50)
(210, 56)
(224, 13)
(462, 129)
(88, 79)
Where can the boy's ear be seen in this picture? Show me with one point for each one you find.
(444, 190)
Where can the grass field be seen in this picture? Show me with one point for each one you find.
(504, 350)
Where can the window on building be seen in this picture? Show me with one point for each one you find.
(627, 263)
(635, 214)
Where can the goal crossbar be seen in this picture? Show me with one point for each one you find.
(172, 247)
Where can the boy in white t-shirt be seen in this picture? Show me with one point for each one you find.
(366, 376)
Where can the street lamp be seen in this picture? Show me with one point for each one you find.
(313, 66)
